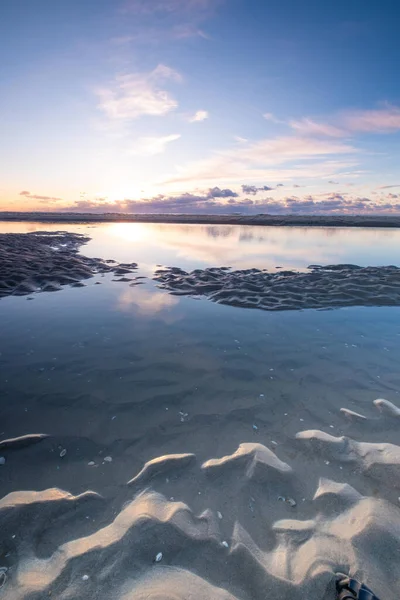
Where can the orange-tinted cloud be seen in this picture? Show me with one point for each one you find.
(37, 197)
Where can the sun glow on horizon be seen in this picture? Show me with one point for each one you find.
(130, 232)
(161, 104)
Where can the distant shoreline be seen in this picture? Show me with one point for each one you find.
(261, 219)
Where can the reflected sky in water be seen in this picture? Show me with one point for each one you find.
(196, 246)
(72, 360)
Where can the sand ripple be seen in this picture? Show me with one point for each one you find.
(45, 261)
(321, 287)
(142, 544)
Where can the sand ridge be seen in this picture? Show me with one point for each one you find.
(154, 546)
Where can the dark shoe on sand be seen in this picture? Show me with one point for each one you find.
(351, 589)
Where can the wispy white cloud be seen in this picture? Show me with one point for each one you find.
(169, 6)
(154, 35)
(239, 139)
(281, 158)
(137, 94)
(199, 115)
(187, 30)
(281, 149)
(170, 19)
(385, 120)
(310, 127)
(382, 120)
(152, 145)
(271, 117)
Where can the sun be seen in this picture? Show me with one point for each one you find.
(131, 232)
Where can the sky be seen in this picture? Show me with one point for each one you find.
(200, 106)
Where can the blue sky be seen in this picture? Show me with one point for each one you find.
(175, 105)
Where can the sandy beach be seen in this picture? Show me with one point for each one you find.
(255, 523)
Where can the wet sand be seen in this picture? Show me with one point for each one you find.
(255, 523)
(46, 261)
(234, 219)
(323, 287)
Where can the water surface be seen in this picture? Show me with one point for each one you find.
(197, 246)
(135, 373)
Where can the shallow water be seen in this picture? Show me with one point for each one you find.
(136, 373)
(198, 246)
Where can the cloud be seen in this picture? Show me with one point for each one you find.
(200, 115)
(155, 35)
(334, 204)
(210, 203)
(253, 189)
(259, 160)
(137, 94)
(187, 30)
(158, 21)
(386, 120)
(310, 127)
(270, 117)
(181, 203)
(216, 192)
(151, 7)
(150, 146)
(37, 197)
(387, 187)
(144, 301)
